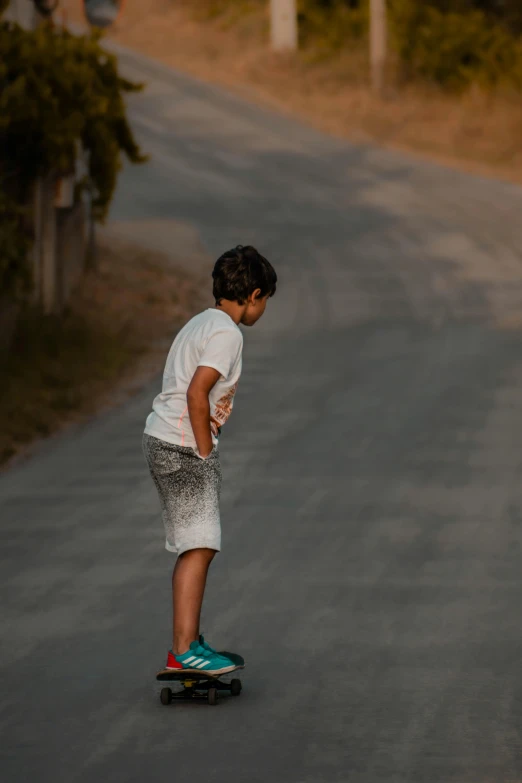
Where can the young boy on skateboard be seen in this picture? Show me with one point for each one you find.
(180, 442)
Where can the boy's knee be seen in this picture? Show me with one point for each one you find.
(202, 554)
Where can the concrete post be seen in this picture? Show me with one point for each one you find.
(23, 12)
(283, 25)
(48, 272)
(36, 250)
(378, 41)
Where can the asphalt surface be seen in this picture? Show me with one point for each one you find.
(371, 564)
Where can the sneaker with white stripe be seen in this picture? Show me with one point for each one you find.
(199, 659)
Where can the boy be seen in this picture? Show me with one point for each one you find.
(181, 436)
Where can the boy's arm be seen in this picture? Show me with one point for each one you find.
(204, 380)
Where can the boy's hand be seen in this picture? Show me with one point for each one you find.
(204, 380)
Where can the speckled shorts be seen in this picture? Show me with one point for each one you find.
(188, 489)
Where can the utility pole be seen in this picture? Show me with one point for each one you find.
(283, 25)
(378, 36)
(23, 12)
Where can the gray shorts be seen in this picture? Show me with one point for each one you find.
(188, 489)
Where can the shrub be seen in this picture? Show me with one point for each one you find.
(331, 25)
(455, 49)
(57, 91)
(450, 42)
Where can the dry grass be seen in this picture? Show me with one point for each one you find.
(111, 340)
(479, 132)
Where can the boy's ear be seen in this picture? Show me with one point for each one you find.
(254, 295)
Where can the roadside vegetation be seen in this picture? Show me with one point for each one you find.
(452, 43)
(111, 339)
(454, 76)
(59, 93)
(62, 99)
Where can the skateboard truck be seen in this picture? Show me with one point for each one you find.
(198, 686)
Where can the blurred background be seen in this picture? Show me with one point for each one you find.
(439, 78)
(370, 574)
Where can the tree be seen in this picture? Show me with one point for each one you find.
(58, 91)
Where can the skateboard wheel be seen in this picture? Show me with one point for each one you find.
(212, 696)
(235, 687)
(166, 696)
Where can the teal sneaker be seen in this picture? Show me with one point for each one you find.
(234, 658)
(199, 659)
(206, 645)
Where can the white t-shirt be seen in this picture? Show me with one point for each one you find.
(211, 339)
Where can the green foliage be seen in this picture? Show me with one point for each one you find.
(505, 12)
(453, 43)
(57, 90)
(455, 48)
(331, 25)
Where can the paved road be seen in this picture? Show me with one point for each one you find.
(372, 551)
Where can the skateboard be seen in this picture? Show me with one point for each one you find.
(197, 685)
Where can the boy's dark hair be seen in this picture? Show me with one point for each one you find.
(239, 272)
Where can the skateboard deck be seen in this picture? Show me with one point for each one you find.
(200, 685)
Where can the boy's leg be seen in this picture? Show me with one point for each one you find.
(188, 586)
